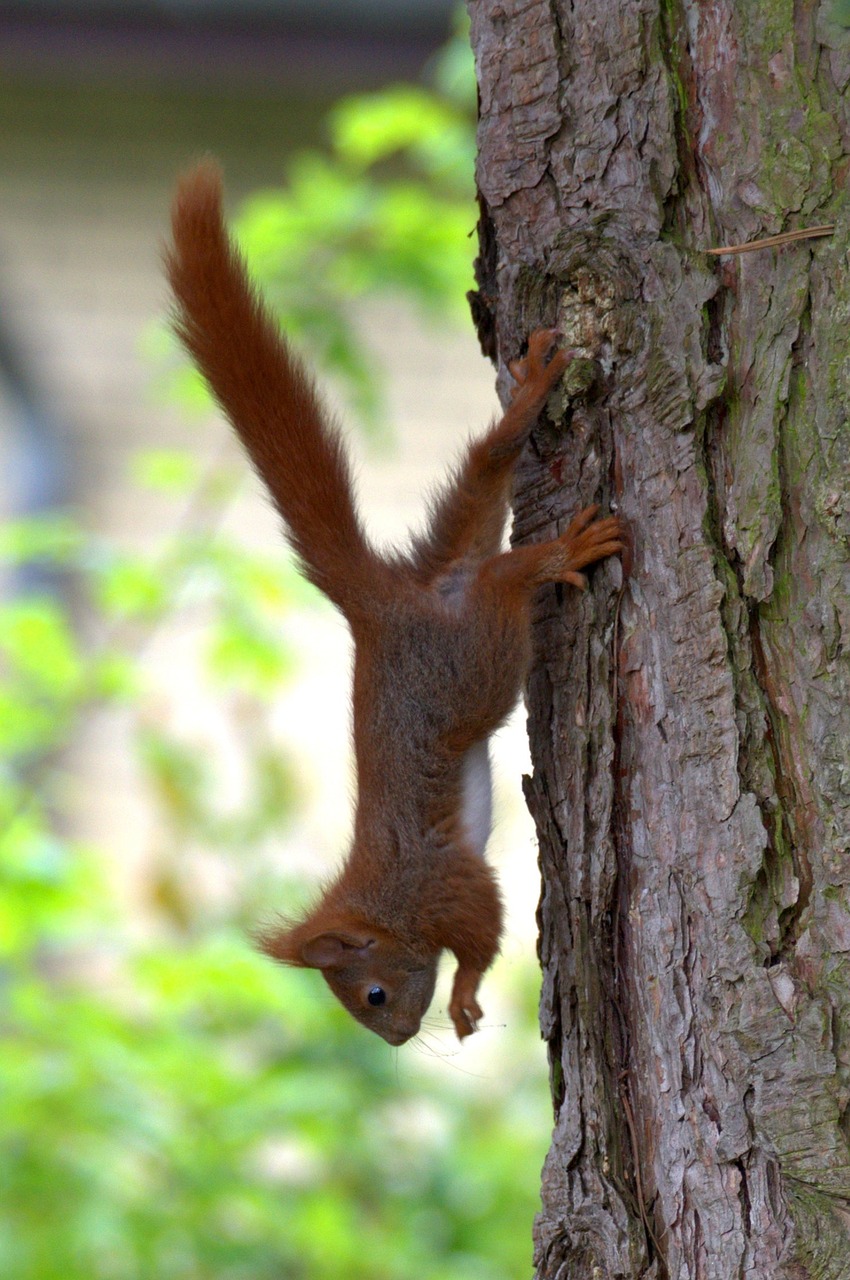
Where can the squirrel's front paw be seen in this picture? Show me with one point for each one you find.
(535, 376)
(464, 1009)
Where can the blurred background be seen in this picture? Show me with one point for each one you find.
(174, 756)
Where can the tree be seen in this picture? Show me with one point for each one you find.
(690, 729)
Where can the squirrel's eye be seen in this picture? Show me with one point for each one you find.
(377, 996)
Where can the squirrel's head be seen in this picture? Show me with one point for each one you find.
(380, 982)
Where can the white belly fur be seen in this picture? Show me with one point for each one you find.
(477, 796)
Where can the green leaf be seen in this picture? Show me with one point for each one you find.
(114, 677)
(55, 538)
(244, 651)
(430, 132)
(38, 646)
(174, 471)
(131, 587)
(372, 126)
(28, 724)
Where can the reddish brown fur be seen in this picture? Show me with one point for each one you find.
(441, 640)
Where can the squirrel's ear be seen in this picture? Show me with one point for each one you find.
(331, 949)
(334, 950)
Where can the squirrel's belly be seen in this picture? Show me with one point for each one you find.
(477, 796)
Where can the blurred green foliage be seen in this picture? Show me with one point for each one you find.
(195, 1113)
(172, 1105)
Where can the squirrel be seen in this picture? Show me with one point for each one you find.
(441, 636)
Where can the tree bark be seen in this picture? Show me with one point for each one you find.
(691, 728)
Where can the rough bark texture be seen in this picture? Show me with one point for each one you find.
(691, 738)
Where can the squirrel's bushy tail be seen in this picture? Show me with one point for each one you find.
(265, 391)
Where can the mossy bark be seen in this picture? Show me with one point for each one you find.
(690, 723)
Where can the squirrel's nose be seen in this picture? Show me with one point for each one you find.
(400, 1035)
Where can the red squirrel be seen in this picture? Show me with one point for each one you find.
(441, 635)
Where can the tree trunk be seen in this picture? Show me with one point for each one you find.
(690, 732)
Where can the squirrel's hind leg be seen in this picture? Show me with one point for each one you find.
(585, 541)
